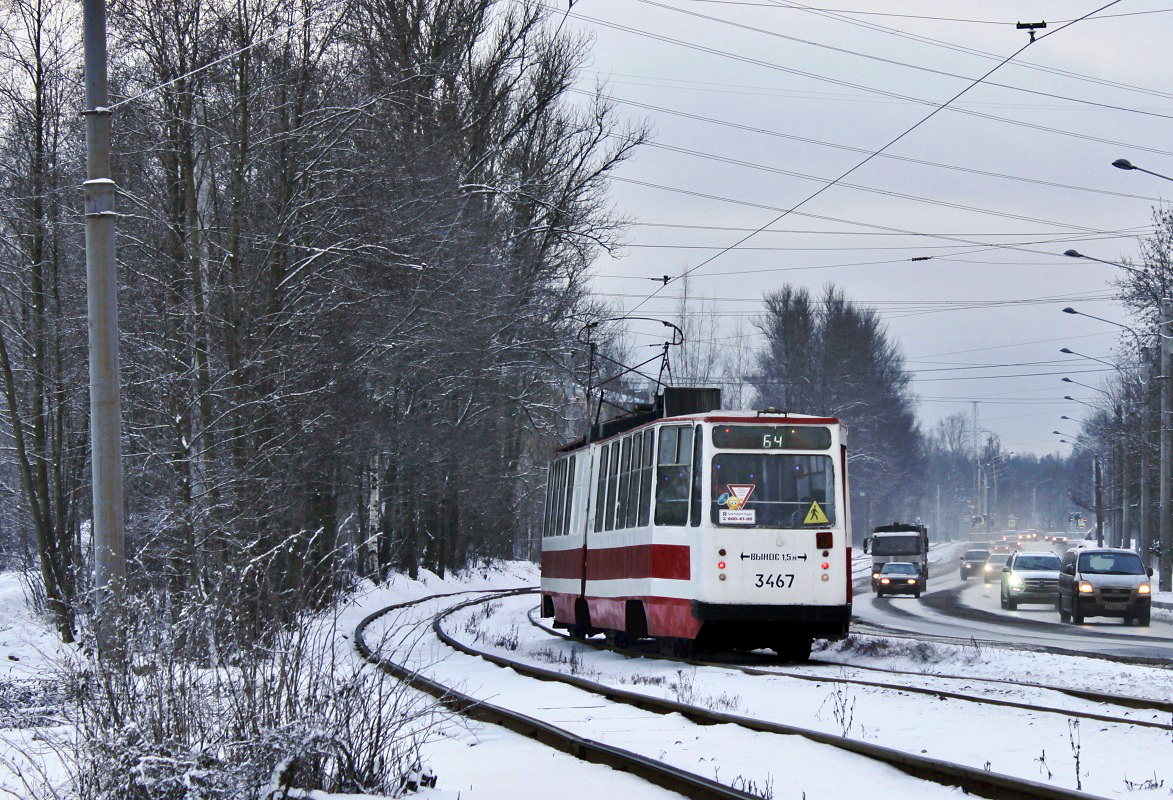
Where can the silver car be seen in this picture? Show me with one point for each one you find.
(1031, 578)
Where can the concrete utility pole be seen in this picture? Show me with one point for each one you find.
(1098, 480)
(1146, 534)
(1124, 534)
(1165, 331)
(102, 297)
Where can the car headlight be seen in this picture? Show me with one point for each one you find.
(1016, 581)
(989, 567)
(875, 574)
(1144, 588)
(912, 580)
(884, 580)
(1085, 587)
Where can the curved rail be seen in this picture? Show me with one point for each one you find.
(1110, 699)
(656, 772)
(974, 780)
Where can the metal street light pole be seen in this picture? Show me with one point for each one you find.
(1123, 535)
(102, 306)
(1165, 331)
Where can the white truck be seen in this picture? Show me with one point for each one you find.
(899, 542)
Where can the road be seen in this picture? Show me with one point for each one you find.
(963, 609)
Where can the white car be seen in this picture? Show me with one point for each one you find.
(1031, 578)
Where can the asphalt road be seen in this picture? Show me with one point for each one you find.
(953, 608)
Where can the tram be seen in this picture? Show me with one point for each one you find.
(695, 525)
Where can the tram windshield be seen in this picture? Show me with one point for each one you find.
(767, 490)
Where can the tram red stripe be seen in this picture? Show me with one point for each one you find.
(670, 561)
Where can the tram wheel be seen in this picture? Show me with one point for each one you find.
(618, 639)
(674, 647)
(794, 649)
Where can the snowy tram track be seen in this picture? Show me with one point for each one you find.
(651, 770)
(807, 760)
(1126, 704)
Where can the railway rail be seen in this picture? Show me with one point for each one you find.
(978, 781)
(1097, 697)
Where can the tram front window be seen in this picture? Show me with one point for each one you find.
(760, 490)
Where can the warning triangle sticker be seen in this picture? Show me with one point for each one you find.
(815, 516)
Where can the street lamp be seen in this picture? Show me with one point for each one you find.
(1071, 352)
(1077, 254)
(1166, 499)
(1065, 379)
(1070, 310)
(1124, 163)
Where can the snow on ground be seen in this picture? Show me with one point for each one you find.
(1027, 744)
(480, 761)
(470, 760)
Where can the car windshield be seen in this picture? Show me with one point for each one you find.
(1111, 564)
(1042, 562)
(977, 555)
(901, 544)
(898, 568)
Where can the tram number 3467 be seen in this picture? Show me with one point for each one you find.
(775, 581)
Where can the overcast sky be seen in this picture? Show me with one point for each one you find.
(980, 320)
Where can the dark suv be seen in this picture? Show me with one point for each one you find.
(1104, 582)
(973, 562)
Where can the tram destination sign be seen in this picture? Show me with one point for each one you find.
(772, 437)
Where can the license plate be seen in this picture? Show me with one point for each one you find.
(1115, 606)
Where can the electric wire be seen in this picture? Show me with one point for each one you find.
(862, 188)
(855, 12)
(784, 212)
(940, 43)
(873, 89)
(894, 62)
(851, 149)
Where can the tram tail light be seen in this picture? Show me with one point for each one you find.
(824, 540)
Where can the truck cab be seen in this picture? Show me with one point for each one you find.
(903, 542)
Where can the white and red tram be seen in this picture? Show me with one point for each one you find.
(690, 523)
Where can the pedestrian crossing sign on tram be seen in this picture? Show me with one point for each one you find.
(816, 516)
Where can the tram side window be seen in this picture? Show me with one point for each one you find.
(612, 488)
(624, 484)
(694, 506)
(673, 475)
(601, 488)
(569, 465)
(645, 479)
(547, 528)
(633, 476)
